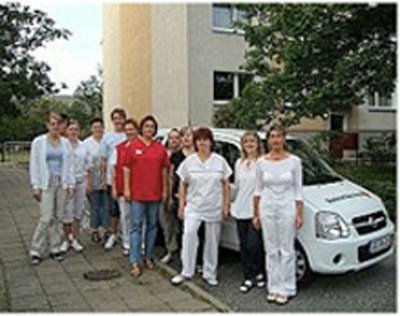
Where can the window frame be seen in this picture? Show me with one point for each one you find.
(377, 106)
(234, 17)
(236, 86)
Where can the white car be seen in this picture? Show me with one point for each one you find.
(346, 227)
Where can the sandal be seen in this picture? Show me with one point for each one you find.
(281, 299)
(149, 263)
(135, 270)
(246, 286)
(271, 297)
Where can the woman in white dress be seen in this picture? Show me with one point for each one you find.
(278, 207)
(203, 197)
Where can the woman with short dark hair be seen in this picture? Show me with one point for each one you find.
(203, 197)
(145, 186)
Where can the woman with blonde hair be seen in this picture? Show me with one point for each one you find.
(278, 206)
(83, 184)
(251, 247)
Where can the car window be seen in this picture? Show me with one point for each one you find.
(230, 152)
(315, 170)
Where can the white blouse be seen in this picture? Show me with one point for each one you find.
(94, 150)
(82, 161)
(279, 183)
(204, 199)
(245, 178)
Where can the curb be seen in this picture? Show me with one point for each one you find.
(196, 290)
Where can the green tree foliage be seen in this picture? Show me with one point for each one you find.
(88, 100)
(311, 59)
(22, 77)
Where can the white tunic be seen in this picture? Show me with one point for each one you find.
(82, 161)
(245, 182)
(204, 199)
(94, 149)
(107, 145)
(278, 183)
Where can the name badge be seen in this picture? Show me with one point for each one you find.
(139, 152)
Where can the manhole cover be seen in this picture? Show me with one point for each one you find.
(100, 275)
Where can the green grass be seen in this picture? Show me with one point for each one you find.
(380, 180)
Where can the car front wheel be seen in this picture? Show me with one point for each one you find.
(303, 271)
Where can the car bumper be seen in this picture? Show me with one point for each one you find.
(344, 255)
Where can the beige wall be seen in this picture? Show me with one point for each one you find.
(311, 125)
(111, 59)
(170, 64)
(365, 119)
(127, 59)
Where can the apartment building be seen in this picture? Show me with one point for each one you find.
(181, 61)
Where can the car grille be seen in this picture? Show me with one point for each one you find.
(370, 223)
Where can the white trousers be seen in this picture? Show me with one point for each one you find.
(124, 221)
(190, 243)
(279, 232)
(76, 205)
(52, 207)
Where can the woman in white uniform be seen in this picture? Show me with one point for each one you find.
(278, 206)
(251, 247)
(203, 197)
(83, 180)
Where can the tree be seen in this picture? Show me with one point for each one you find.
(311, 59)
(88, 100)
(22, 76)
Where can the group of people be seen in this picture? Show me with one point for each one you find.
(132, 182)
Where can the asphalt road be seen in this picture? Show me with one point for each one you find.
(369, 290)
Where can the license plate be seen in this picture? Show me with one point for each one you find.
(380, 244)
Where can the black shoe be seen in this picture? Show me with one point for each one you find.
(246, 286)
(96, 237)
(57, 256)
(35, 260)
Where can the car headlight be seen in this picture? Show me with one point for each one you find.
(331, 226)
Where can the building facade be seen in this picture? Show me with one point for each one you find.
(181, 61)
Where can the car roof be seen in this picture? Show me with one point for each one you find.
(226, 133)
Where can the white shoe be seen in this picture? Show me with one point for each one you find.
(167, 258)
(211, 282)
(64, 246)
(125, 250)
(76, 245)
(178, 279)
(110, 242)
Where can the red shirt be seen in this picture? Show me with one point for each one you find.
(119, 172)
(146, 164)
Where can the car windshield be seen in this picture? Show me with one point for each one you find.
(315, 170)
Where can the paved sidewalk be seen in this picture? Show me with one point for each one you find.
(60, 287)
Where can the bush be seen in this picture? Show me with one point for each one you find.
(380, 149)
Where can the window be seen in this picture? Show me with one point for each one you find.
(228, 85)
(230, 152)
(223, 86)
(222, 16)
(376, 100)
(225, 15)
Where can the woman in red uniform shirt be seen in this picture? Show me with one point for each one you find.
(145, 185)
(117, 158)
